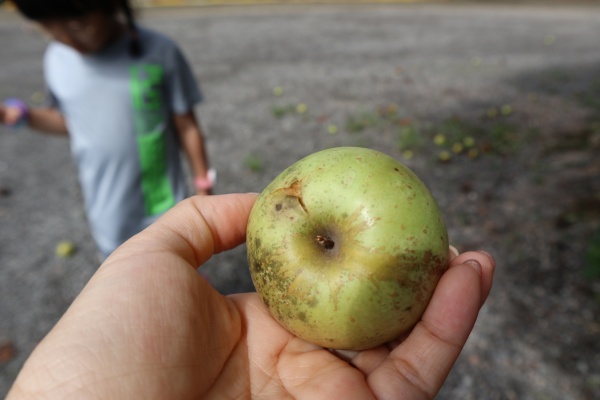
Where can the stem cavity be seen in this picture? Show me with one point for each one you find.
(325, 242)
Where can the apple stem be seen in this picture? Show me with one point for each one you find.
(325, 242)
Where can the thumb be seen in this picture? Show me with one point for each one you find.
(196, 228)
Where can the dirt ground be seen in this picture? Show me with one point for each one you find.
(495, 107)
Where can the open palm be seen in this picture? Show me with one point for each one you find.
(148, 326)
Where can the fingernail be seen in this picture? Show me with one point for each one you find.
(485, 252)
(454, 250)
(475, 264)
(489, 257)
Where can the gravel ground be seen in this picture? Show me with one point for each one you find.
(509, 95)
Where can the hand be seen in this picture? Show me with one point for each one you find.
(148, 326)
(13, 111)
(9, 115)
(201, 192)
(204, 182)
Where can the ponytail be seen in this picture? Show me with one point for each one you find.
(135, 46)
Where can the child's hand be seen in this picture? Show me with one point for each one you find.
(204, 185)
(13, 112)
(3, 114)
(201, 192)
(10, 115)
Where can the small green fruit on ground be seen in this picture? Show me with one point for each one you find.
(65, 248)
(346, 247)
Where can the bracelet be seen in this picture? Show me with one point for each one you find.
(23, 111)
(207, 182)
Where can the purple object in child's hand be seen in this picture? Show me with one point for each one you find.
(23, 111)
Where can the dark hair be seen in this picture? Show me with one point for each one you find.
(40, 9)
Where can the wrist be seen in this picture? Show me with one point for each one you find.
(206, 182)
(22, 109)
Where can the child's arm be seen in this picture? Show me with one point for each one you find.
(46, 119)
(192, 141)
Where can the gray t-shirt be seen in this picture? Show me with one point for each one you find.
(119, 114)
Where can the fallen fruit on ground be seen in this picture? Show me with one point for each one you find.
(65, 248)
(346, 247)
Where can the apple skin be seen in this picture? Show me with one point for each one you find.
(346, 247)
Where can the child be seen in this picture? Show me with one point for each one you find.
(125, 97)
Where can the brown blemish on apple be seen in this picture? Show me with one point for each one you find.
(302, 316)
(294, 190)
(267, 274)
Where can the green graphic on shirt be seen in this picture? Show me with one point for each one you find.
(150, 126)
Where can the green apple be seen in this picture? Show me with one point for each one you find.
(346, 247)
